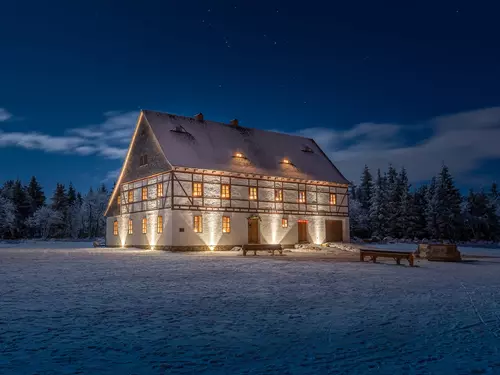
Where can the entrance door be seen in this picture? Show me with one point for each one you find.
(253, 231)
(333, 230)
(302, 231)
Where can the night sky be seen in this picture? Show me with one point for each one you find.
(413, 83)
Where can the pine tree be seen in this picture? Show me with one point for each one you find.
(71, 194)
(393, 201)
(378, 210)
(449, 206)
(477, 215)
(22, 204)
(494, 212)
(36, 195)
(420, 205)
(364, 192)
(432, 210)
(405, 217)
(60, 204)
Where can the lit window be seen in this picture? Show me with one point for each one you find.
(143, 160)
(226, 224)
(198, 224)
(144, 225)
(239, 155)
(159, 225)
(197, 189)
(286, 161)
(225, 191)
(278, 195)
(115, 228)
(159, 189)
(333, 198)
(144, 193)
(284, 223)
(119, 200)
(130, 196)
(302, 197)
(130, 228)
(252, 193)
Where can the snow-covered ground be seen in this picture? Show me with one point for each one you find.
(464, 250)
(109, 311)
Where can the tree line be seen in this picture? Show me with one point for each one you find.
(385, 205)
(25, 211)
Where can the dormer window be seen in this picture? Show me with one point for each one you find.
(143, 160)
(239, 155)
(307, 149)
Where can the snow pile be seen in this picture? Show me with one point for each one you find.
(341, 246)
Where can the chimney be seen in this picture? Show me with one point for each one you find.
(234, 122)
(199, 117)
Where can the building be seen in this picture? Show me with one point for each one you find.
(192, 184)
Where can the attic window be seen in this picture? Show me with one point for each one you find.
(307, 149)
(143, 160)
(239, 155)
(286, 161)
(179, 129)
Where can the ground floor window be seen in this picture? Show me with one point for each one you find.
(226, 224)
(198, 224)
(159, 225)
(130, 227)
(144, 225)
(115, 228)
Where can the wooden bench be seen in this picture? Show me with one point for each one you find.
(259, 247)
(396, 255)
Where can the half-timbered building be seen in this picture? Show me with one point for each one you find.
(192, 184)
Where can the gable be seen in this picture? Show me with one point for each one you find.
(144, 143)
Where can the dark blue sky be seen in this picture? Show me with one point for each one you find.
(373, 82)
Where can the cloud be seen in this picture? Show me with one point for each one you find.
(463, 141)
(4, 115)
(112, 175)
(108, 139)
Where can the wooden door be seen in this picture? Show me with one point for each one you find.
(302, 231)
(253, 231)
(333, 230)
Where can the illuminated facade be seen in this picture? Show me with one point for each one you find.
(191, 184)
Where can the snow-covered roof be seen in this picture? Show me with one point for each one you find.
(194, 143)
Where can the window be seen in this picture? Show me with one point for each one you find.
(159, 225)
(144, 193)
(302, 197)
(252, 193)
(197, 189)
(144, 225)
(130, 196)
(143, 160)
(278, 195)
(333, 198)
(284, 223)
(225, 191)
(226, 224)
(198, 224)
(119, 199)
(159, 189)
(115, 228)
(130, 228)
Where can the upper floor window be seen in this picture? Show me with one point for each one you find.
(159, 225)
(333, 198)
(143, 160)
(159, 189)
(225, 191)
(130, 196)
(278, 195)
(284, 223)
(144, 225)
(197, 189)
(130, 227)
(252, 193)
(119, 200)
(144, 193)
(302, 197)
(115, 228)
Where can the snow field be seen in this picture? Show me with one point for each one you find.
(109, 311)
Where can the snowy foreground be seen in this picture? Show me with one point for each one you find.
(106, 311)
